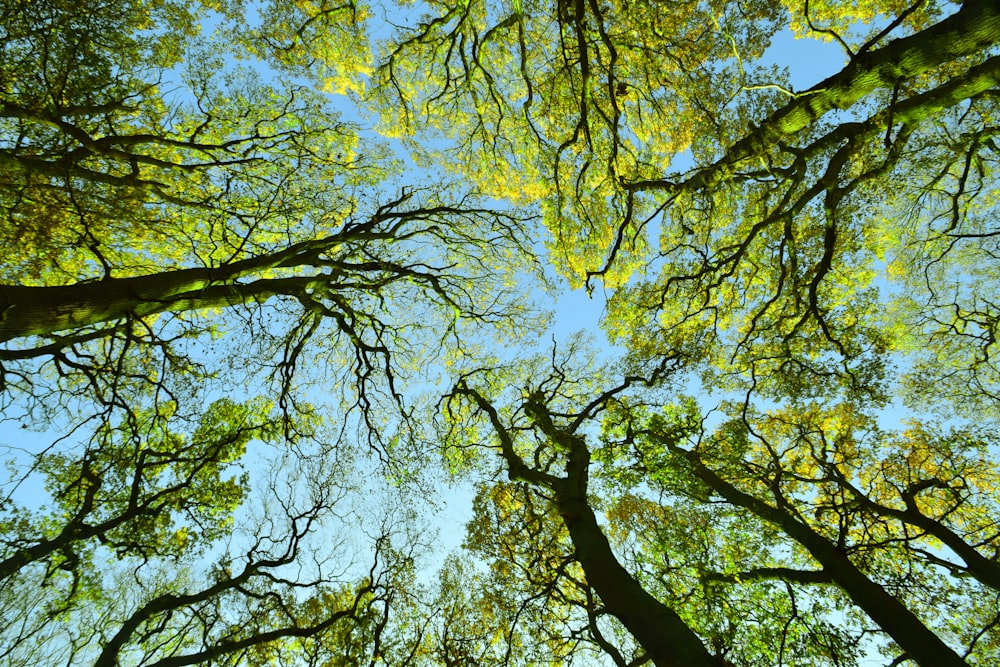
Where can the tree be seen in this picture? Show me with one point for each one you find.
(129, 560)
(658, 628)
(785, 480)
(228, 302)
(570, 97)
(186, 234)
(229, 191)
(817, 238)
(770, 242)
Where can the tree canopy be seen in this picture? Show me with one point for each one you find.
(277, 289)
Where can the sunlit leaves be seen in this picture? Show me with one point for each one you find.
(142, 489)
(163, 164)
(820, 19)
(325, 41)
(568, 101)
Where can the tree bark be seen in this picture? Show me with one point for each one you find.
(971, 30)
(39, 311)
(667, 639)
(664, 635)
(920, 643)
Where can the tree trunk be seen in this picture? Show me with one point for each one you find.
(40, 311)
(920, 643)
(667, 639)
(971, 30)
(664, 635)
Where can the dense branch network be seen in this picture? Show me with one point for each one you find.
(846, 537)
(225, 310)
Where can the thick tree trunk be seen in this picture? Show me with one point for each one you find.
(32, 311)
(40, 311)
(666, 638)
(920, 643)
(970, 31)
(664, 635)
